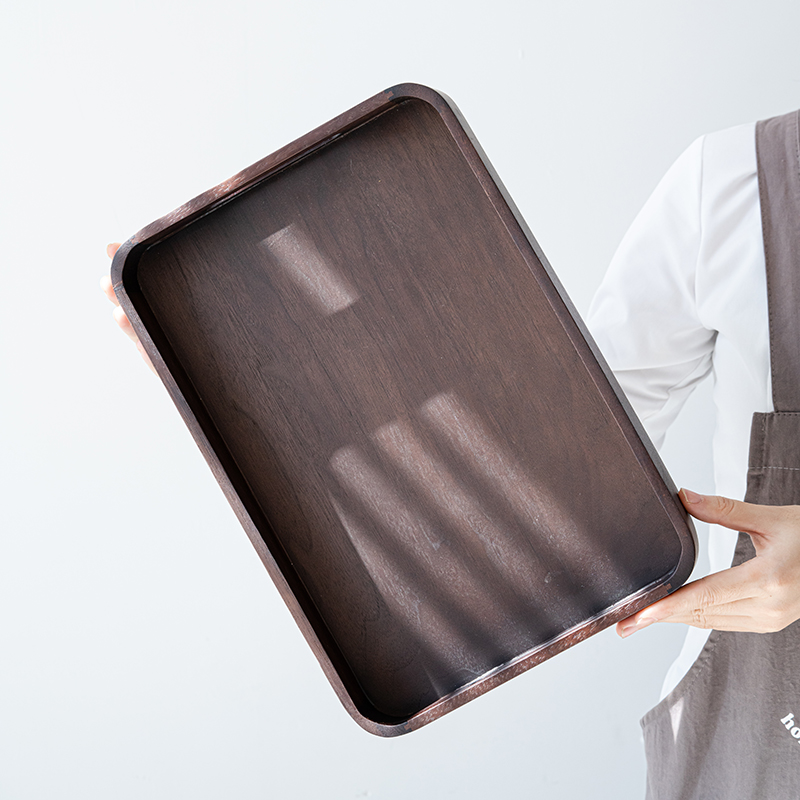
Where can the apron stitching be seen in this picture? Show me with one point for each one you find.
(767, 259)
(797, 140)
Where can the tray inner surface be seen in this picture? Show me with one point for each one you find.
(407, 411)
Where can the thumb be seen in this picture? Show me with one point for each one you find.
(733, 514)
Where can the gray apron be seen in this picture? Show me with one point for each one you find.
(731, 728)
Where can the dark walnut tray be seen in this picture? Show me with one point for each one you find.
(405, 411)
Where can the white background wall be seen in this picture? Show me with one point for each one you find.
(144, 652)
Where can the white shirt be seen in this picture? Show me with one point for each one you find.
(685, 296)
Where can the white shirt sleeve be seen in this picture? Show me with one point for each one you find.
(644, 316)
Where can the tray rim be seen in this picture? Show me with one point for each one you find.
(124, 264)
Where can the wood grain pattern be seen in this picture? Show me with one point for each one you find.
(404, 411)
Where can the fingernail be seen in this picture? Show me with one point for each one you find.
(636, 626)
(691, 497)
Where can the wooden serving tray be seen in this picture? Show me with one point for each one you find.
(405, 411)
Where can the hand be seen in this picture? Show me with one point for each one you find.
(762, 595)
(119, 315)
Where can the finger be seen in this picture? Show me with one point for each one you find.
(124, 323)
(733, 514)
(747, 614)
(701, 603)
(108, 289)
(724, 622)
(143, 354)
(105, 281)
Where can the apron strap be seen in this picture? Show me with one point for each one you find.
(778, 156)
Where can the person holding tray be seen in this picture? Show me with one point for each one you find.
(706, 281)
(687, 293)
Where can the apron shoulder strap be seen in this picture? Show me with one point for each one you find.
(778, 158)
